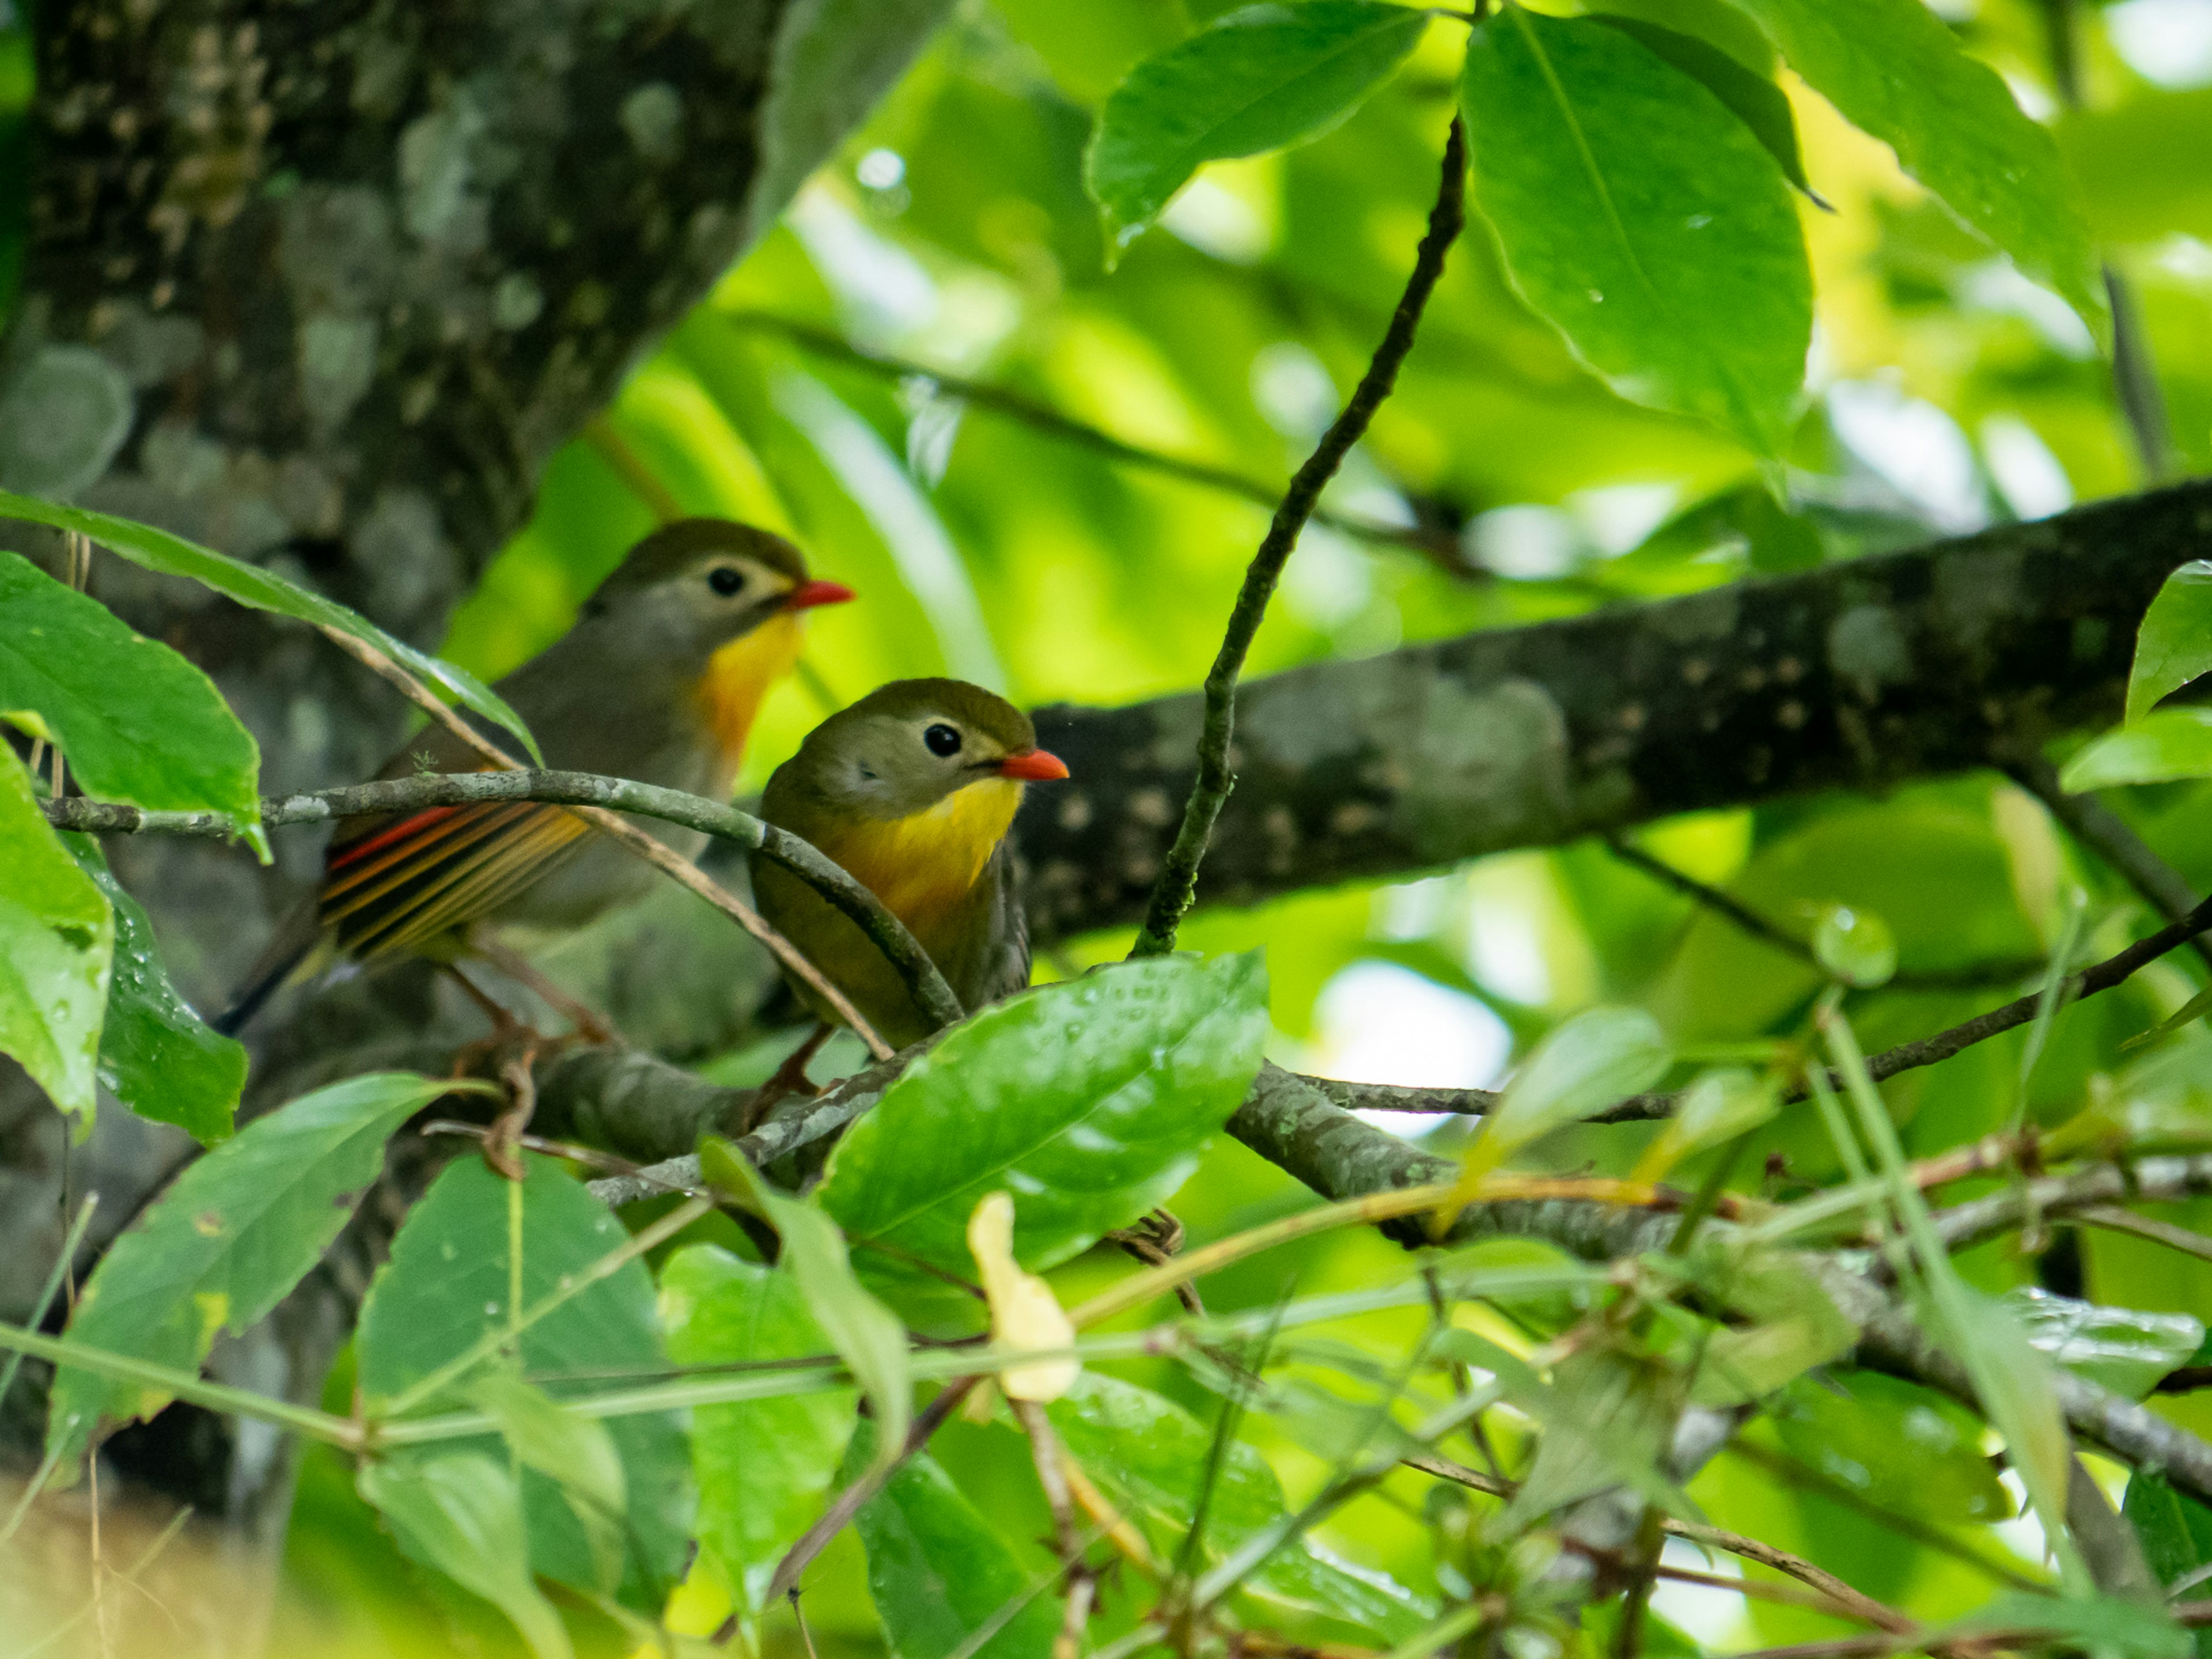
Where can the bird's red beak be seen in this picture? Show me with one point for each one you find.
(1033, 766)
(807, 595)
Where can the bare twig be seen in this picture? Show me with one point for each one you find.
(1749, 922)
(1438, 545)
(1172, 894)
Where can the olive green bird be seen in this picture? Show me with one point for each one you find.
(658, 682)
(912, 790)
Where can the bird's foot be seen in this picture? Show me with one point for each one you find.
(1157, 1240)
(586, 1023)
(790, 1079)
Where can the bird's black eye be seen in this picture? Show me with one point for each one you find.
(727, 580)
(942, 740)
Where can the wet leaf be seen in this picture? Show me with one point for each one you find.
(57, 940)
(2123, 1349)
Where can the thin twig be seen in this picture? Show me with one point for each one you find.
(576, 789)
(1437, 544)
(1172, 893)
(2114, 1220)
(1051, 1461)
(1749, 922)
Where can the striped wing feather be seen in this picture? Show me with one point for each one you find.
(399, 886)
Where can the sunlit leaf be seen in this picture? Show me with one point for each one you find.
(156, 1054)
(1255, 79)
(222, 1246)
(451, 1279)
(1793, 1326)
(762, 1465)
(56, 939)
(1753, 99)
(263, 590)
(137, 722)
(1894, 68)
(1639, 214)
(1091, 1099)
(2124, 1349)
(1024, 1313)
(1607, 1417)
(459, 1513)
(2103, 1624)
(2165, 745)
(865, 1334)
(2174, 645)
(1717, 1106)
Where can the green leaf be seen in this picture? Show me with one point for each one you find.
(1855, 945)
(2174, 645)
(2175, 1531)
(2164, 746)
(137, 722)
(156, 1055)
(1753, 99)
(1904, 1447)
(263, 590)
(936, 1570)
(231, 1237)
(1795, 1325)
(57, 940)
(459, 1513)
(1718, 1105)
(1593, 1061)
(576, 1453)
(1643, 219)
(1151, 1456)
(1089, 1100)
(1606, 1418)
(762, 1465)
(450, 1279)
(2123, 1349)
(2104, 1625)
(1895, 69)
(866, 1335)
(1256, 79)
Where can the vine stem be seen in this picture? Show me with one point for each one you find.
(1178, 878)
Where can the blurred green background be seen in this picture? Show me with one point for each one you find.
(1947, 393)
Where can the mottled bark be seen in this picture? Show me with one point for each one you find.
(1858, 676)
(325, 285)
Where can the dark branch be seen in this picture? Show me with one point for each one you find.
(1172, 892)
(1866, 675)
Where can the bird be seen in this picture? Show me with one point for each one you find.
(658, 682)
(912, 790)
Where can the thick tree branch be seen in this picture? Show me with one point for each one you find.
(1172, 892)
(1866, 675)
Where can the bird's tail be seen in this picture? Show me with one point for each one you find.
(298, 950)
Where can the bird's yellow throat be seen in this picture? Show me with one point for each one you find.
(923, 866)
(740, 675)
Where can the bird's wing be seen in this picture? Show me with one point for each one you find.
(396, 884)
(1005, 967)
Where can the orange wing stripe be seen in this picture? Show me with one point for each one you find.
(354, 851)
(461, 879)
(410, 859)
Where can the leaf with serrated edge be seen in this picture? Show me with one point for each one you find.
(1089, 1100)
(231, 1237)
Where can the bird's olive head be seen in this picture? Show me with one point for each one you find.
(693, 586)
(910, 744)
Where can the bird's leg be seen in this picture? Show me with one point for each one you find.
(589, 1024)
(500, 1142)
(790, 1078)
(505, 1029)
